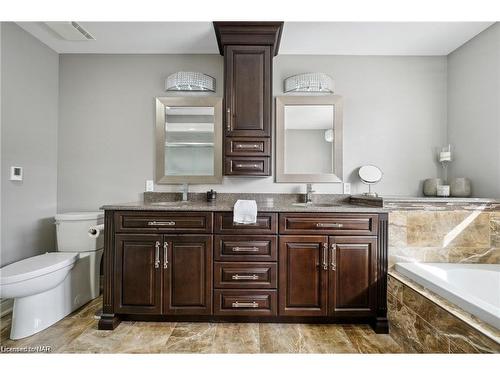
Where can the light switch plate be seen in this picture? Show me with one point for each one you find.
(150, 186)
(16, 173)
(347, 188)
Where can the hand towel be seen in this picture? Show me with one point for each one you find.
(245, 212)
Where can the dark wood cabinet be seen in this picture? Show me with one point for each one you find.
(187, 287)
(138, 274)
(248, 49)
(332, 276)
(303, 275)
(184, 266)
(352, 265)
(163, 274)
(247, 93)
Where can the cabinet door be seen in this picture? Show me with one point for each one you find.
(137, 274)
(187, 267)
(352, 276)
(303, 275)
(248, 91)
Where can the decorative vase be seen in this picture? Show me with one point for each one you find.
(430, 186)
(460, 187)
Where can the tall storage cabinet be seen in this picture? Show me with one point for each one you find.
(248, 49)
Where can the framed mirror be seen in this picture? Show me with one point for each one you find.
(309, 139)
(188, 140)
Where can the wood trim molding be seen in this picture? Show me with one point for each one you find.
(249, 33)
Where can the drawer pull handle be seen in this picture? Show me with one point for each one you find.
(238, 249)
(161, 223)
(157, 254)
(325, 256)
(252, 305)
(329, 225)
(334, 256)
(228, 119)
(241, 146)
(245, 277)
(165, 254)
(248, 166)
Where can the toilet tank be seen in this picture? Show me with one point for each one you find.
(72, 231)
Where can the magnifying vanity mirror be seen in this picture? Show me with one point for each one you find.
(309, 139)
(370, 175)
(188, 140)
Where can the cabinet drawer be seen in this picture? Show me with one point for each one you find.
(349, 224)
(247, 146)
(247, 166)
(266, 224)
(245, 302)
(239, 275)
(245, 248)
(164, 222)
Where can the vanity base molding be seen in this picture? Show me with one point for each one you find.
(108, 322)
(288, 267)
(250, 319)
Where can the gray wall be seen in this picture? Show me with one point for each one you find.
(29, 95)
(474, 112)
(394, 116)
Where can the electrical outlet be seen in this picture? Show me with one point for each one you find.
(16, 173)
(150, 186)
(347, 187)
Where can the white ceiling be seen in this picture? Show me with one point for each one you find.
(309, 38)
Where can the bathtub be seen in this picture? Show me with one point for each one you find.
(473, 287)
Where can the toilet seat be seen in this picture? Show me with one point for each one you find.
(36, 266)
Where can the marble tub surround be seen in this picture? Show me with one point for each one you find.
(422, 321)
(225, 202)
(458, 236)
(78, 333)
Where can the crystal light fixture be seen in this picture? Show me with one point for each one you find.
(309, 82)
(189, 81)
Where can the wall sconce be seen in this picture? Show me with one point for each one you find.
(309, 82)
(189, 81)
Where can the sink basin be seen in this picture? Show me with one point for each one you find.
(174, 203)
(315, 204)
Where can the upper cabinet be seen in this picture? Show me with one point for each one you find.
(248, 91)
(248, 49)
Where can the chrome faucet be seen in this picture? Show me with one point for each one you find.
(185, 190)
(309, 191)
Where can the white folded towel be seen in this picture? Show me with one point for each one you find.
(245, 212)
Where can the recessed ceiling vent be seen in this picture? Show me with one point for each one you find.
(70, 30)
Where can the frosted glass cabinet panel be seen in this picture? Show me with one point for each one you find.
(189, 140)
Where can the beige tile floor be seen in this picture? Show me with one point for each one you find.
(78, 333)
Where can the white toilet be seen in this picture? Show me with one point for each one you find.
(50, 286)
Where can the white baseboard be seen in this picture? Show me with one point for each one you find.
(5, 306)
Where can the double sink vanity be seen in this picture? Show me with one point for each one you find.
(323, 261)
(188, 261)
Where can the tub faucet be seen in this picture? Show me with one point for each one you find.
(309, 192)
(185, 190)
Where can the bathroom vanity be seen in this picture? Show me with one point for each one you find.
(190, 262)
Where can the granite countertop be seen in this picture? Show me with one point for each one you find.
(225, 202)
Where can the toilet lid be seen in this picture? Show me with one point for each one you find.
(35, 266)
